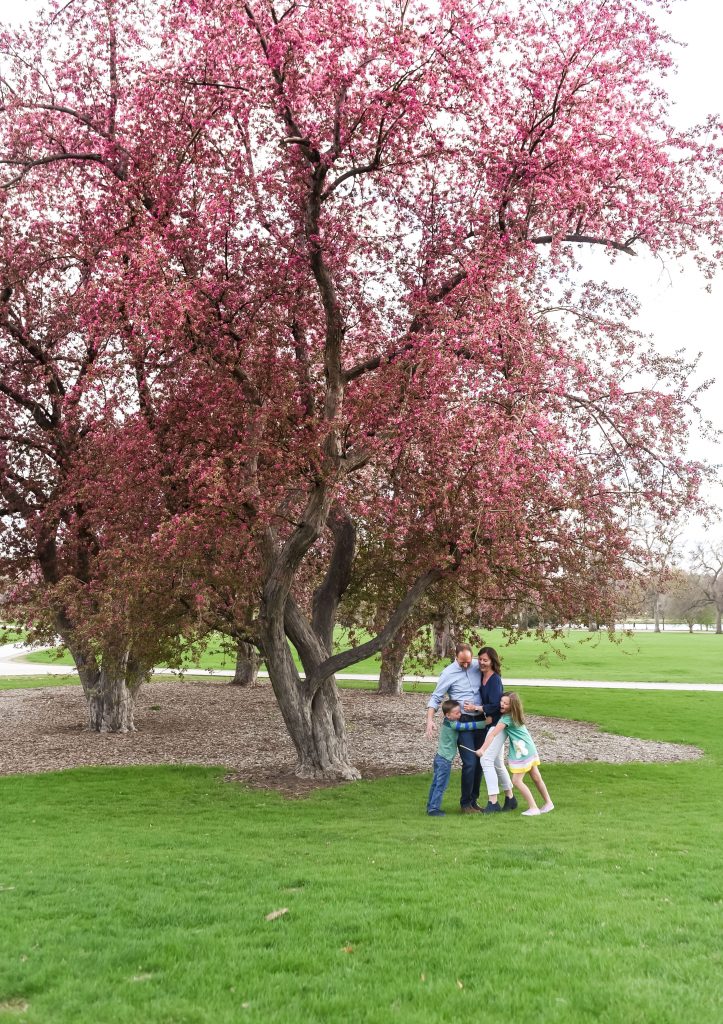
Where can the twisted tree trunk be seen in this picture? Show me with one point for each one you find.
(110, 682)
(312, 713)
(247, 665)
(391, 675)
(110, 702)
(442, 644)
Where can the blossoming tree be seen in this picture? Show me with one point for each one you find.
(344, 244)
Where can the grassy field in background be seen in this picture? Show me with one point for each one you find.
(152, 906)
(33, 682)
(10, 635)
(643, 657)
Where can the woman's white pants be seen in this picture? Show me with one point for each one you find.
(493, 765)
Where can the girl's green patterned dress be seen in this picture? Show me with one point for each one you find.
(523, 753)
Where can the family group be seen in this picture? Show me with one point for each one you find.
(478, 718)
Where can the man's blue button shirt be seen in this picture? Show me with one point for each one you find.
(460, 684)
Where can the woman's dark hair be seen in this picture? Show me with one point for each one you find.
(494, 658)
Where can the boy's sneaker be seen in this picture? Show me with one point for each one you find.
(532, 811)
(491, 808)
(510, 803)
(549, 806)
(436, 814)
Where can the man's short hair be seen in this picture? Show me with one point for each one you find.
(462, 647)
(449, 705)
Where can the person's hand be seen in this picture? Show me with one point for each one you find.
(469, 706)
(488, 720)
(479, 752)
(430, 730)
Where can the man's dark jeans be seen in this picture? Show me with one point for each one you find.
(467, 743)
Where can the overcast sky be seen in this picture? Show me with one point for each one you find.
(676, 308)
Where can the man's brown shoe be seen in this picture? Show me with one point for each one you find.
(470, 810)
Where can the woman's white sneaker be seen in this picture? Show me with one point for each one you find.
(532, 811)
(547, 807)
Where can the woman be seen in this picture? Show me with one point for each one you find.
(493, 762)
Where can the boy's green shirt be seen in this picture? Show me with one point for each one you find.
(447, 746)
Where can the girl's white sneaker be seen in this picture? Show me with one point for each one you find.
(532, 811)
(547, 807)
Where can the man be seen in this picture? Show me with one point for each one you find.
(461, 681)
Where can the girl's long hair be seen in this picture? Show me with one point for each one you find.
(494, 658)
(516, 711)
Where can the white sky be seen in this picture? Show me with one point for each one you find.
(676, 308)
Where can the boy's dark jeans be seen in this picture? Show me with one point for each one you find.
(440, 781)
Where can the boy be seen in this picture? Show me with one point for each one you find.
(447, 748)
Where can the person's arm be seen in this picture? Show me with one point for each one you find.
(490, 736)
(430, 727)
(434, 701)
(465, 726)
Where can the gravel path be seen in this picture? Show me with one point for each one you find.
(212, 723)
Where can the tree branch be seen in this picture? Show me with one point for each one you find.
(589, 239)
(338, 575)
(413, 596)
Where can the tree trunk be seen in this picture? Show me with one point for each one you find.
(441, 640)
(111, 698)
(393, 655)
(247, 665)
(110, 703)
(110, 686)
(314, 718)
(656, 610)
(718, 616)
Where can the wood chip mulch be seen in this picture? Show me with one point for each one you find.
(212, 723)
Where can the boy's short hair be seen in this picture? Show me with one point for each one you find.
(449, 705)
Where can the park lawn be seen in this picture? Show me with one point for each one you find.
(643, 657)
(11, 635)
(33, 682)
(141, 894)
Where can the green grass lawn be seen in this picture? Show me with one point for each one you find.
(644, 657)
(10, 634)
(132, 895)
(33, 682)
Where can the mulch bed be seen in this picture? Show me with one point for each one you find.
(213, 723)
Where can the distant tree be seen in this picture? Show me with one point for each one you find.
(660, 553)
(684, 598)
(707, 560)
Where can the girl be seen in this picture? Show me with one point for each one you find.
(523, 755)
